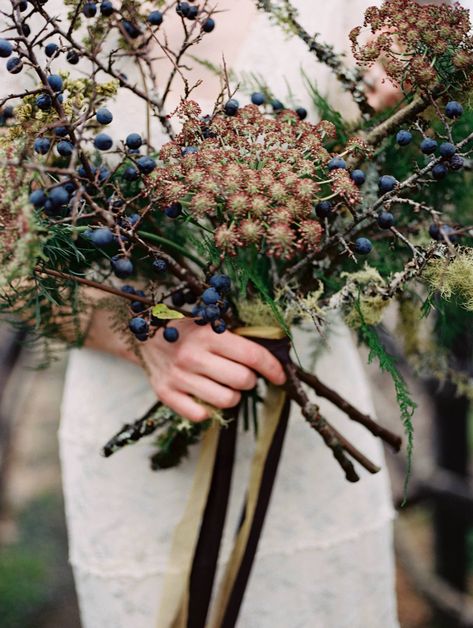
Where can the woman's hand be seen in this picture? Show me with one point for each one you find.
(211, 367)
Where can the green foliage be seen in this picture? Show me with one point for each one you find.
(325, 109)
(406, 405)
(174, 442)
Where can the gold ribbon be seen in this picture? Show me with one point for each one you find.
(173, 608)
(174, 600)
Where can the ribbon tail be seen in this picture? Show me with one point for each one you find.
(262, 476)
(173, 607)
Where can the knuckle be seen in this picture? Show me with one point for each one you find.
(229, 399)
(198, 415)
(247, 381)
(253, 357)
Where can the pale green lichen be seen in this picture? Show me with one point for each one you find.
(369, 303)
(452, 277)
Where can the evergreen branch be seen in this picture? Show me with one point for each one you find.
(387, 363)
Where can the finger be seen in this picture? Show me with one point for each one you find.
(250, 354)
(211, 392)
(228, 372)
(184, 405)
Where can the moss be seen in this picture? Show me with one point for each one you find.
(452, 278)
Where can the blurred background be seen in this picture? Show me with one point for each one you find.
(433, 532)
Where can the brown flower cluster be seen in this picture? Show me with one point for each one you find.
(254, 177)
(418, 45)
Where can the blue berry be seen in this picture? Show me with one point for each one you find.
(128, 289)
(301, 113)
(131, 174)
(403, 138)
(190, 297)
(6, 48)
(178, 298)
(14, 65)
(277, 105)
(104, 116)
(171, 334)
(103, 141)
(453, 109)
(58, 197)
(106, 8)
(211, 313)
(447, 150)
(183, 8)
(23, 5)
(363, 246)
(134, 141)
(102, 236)
(438, 232)
(385, 220)
(131, 29)
(137, 307)
(428, 146)
(323, 209)
(55, 82)
(138, 325)
(434, 231)
(219, 326)
(50, 49)
(337, 162)
(89, 9)
(358, 176)
(387, 183)
(104, 173)
(257, 98)
(208, 25)
(44, 102)
(231, 107)
(456, 162)
(160, 265)
(155, 18)
(8, 112)
(439, 172)
(65, 148)
(42, 145)
(122, 266)
(25, 29)
(37, 198)
(146, 164)
(132, 219)
(173, 210)
(221, 283)
(210, 296)
(189, 150)
(72, 57)
(193, 13)
(70, 187)
(197, 310)
(61, 131)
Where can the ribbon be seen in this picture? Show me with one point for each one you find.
(189, 579)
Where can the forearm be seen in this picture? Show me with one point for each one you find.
(96, 324)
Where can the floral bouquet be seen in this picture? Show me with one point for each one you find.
(250, 218)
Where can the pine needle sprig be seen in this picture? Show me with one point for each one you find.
(387, 363)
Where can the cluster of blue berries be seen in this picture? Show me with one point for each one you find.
(429, 146)
(212, 304)
(232, 106)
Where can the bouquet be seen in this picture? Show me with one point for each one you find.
(250, 218)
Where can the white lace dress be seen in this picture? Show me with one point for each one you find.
(325, 559)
